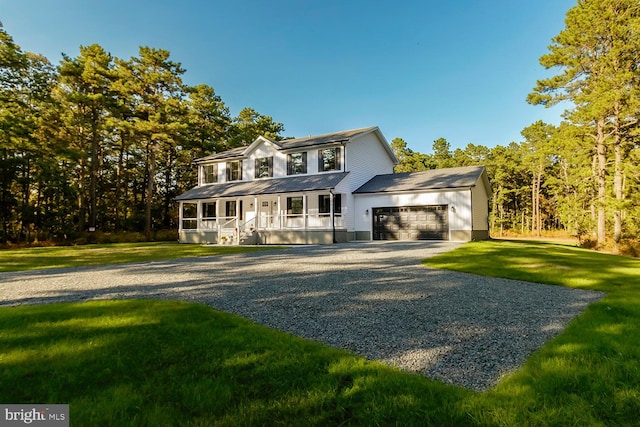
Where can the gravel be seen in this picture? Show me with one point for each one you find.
(371, 298)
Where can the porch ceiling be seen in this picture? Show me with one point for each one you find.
(292, 184)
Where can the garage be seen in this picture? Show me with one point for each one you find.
(411, 223)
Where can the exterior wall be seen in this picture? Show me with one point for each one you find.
(264, 150)
(366, 157)
(301, 237)
(459, 202)
(197, 236)
(480, 203)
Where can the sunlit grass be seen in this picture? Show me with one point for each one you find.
(174, 363)
(584, 376)
(115, 253)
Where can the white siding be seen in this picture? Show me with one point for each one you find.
(459, 202)
(366, 157)
(480, 203)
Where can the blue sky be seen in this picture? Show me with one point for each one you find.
(420, 70)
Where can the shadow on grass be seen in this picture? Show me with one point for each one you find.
(174, 363)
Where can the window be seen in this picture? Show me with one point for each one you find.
(294, 205)
(324, 204)
(296, 163)
(189, 216)
(264, 167)
(234, 170)
(209, 210)
(329, 159)
(232, 209)
(210, 174)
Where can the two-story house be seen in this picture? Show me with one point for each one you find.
(328, 188)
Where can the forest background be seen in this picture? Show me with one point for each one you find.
(100, 144)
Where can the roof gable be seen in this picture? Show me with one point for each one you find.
(435, 179)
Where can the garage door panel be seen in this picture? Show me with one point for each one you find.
(411, 223)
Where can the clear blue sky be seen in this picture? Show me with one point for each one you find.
(420, 70)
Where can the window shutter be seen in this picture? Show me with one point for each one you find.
(320, 161)
(338, 159)
(304, 162)
(288, 164)
(270, 163)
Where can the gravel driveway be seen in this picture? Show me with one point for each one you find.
(373, 298)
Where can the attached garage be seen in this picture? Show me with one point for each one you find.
(439, 204)
(411, 223)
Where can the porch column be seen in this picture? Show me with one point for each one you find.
(199, 215)
(237, 227)
(218, 230)
(279, 213)
(180, 216)
(305, 216)
(255, 212)
(332, 215)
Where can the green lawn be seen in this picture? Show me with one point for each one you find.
(114, 253)
(172, 363)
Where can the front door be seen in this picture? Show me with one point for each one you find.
(266, 209)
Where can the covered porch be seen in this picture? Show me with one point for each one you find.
(294, 210)
(310, 217)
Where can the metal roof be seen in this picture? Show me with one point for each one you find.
(292, 184)
(434, 179)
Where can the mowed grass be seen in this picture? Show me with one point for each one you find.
(173, 363)
(115, 253)
(589, 374)
(167, 363)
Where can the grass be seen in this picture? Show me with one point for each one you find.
(167, 363)
(174, 363)
(114, 253)
(588, 375)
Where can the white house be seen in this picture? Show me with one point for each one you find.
(329, 188)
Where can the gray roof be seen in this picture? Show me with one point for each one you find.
(293, 184)
(434, 179)
(292, 144)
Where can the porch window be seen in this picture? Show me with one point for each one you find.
(329, 159)
(296, 163)
(324, 204)
(294, 205)
(209, 211)
(264, 167)
(210, 174)
(189, 216)
(231, 209)
(234, 170)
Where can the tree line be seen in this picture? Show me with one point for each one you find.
(103, 143)
(99, 142)
(582, 176)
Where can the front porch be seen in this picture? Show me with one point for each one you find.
(292, 218)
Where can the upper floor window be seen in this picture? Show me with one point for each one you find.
(209, 174)
(329, 159)
(296, 163)
(234, 170)
(264, 167)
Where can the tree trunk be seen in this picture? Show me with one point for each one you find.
(601, 152)
(150, 188)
